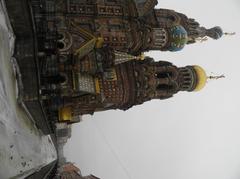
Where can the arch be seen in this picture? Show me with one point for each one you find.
(167, 74)
(60, 45)
(165, 87)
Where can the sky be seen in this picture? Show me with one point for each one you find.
(190, 136)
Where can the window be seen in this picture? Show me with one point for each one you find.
(136, 73)
(60, 45)
(164, 87)
(165, 75)
(149, 40)
(138, 84)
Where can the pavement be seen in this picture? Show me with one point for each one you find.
(23, 148)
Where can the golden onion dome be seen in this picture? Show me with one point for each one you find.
(201, 78)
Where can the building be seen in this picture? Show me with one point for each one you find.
(124, 85)
(78, 57)
(88, 55)
(133, 26)
(92, 53)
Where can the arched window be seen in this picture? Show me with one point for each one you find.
(60, 45)
(165, 75)
(164, 87)
(149, 40)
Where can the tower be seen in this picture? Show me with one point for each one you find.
(129, 83)
(97, 47)
(166, 18)
(131, 26)
(162, 80)
(171, 39)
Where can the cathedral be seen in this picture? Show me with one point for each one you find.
(78, 57)
(91, 54)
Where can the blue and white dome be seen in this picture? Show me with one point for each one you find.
(178, 38)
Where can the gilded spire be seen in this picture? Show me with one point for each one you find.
(216, 77)
(229, 33)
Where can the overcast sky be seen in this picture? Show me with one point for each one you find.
(190, 136)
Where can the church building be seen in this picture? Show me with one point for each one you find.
(92, 54)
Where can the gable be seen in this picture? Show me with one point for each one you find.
(145, 6)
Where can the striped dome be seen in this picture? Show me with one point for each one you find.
(201, 78)
(178, 38)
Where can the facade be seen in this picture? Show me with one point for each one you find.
(92, 51)
(78, 57)
(127, 26)
(81, 56)
(131, 83)
(95, 67)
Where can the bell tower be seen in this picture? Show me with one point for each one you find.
(161, 80)
(165, 39)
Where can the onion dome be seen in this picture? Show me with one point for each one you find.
(201, 78)
(178, 38)
(192, 78)
(215, 32)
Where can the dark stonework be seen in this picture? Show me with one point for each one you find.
(89, 53)
(20, 13)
